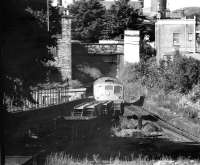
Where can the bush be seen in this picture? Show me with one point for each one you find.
(131, 78)
(195, 93)
(186, 73)
(181, 74)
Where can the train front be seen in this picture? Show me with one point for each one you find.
(111, 90)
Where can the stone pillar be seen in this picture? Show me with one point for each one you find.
(131, 46)
(64, 59)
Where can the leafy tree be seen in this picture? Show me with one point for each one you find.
(186, 73)
(181, 74)
(24, 50)
(88, 18)
(146, 50)
(116, 19)
(24, 55)
(122, 16)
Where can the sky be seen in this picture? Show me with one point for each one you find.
(177, 4)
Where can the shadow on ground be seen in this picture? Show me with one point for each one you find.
(87, 138)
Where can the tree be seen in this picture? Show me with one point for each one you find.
(24, 51)
(24, 55)
(88, 18)
(122, 16)
(116, 19)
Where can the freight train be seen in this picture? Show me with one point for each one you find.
(108, 94)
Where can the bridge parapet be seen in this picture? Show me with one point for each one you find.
(104, 49)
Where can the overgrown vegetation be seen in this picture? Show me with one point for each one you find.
(180, 75)
(171, 88)
(63, 159)
(25, 52)
(88, 17)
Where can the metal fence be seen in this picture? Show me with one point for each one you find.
(48, 97)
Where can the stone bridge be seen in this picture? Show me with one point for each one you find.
(104, 48)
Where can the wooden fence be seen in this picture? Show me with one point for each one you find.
(48, 97)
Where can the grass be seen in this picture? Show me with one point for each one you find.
(64, 159)
(169, 108)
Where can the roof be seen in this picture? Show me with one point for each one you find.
(107, 79)
(176, 21)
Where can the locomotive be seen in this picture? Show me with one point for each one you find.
(107, 89)
(108, 100)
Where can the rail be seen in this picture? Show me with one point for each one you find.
(145, 112)
(173, 128)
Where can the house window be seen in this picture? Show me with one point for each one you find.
(190, 36)
(176, 38)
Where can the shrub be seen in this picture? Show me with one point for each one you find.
(181, 74)
(195, 93)
(186, 73)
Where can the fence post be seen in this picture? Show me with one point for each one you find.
(40, 98)
(59, 97)
(54, 91)
(36, 98)
(48, 98)
(65, 92)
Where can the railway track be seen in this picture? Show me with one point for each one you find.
(165, 124)
(139, 111)
(85, 111)
(94, 109)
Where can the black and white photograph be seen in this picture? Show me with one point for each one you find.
(100, 82)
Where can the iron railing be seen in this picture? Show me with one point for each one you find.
(48, 97)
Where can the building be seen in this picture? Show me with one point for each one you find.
(154, 8)
(173, 35)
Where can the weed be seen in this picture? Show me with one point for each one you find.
(64, 159)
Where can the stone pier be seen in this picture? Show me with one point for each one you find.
(131, 46)
(63, 59)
